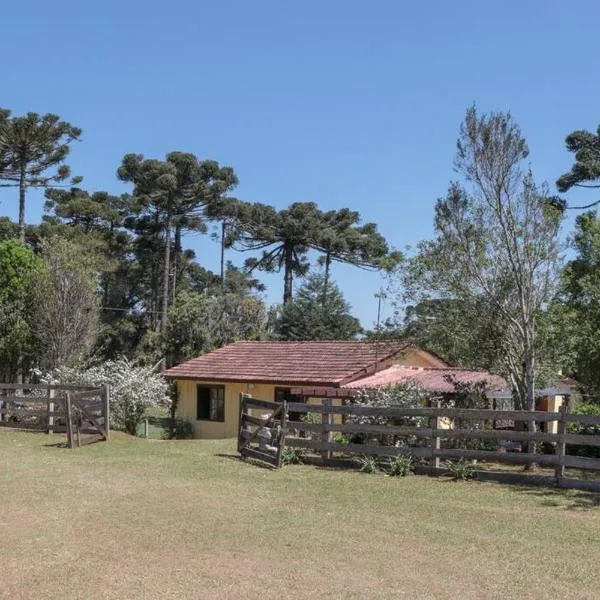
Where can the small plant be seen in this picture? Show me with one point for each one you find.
(179, 429)
(339, 438)
(460, 470)
(400, 466)
(291, 456)
(367, 463)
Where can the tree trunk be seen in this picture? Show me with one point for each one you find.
(288, 273)
(176, 260)
(223, 232)
(167, 265)
(529, 380)
(326, 275)
(22, 190)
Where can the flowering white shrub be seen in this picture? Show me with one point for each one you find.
(404, 395)
(133, 388)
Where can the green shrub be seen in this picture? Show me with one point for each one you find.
(367, 464)
(400, 466)
(291, 456)
(179, 429)
(339, 438)
(460, 470)
(585, 429)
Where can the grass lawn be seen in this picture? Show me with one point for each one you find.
(147, 519)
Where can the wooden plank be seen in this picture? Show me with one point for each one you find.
(454, 413)
(356, 448)
(581, 462)
(579, 484)
(24, 412)
(253, 402)
(249, 419)
(486, 455)
(44, 386)
(584, 419)
(87, 395)
(258, 455)
(499, 434)
(582, 440)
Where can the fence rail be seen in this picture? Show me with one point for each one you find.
(436, 436)
(53, 408)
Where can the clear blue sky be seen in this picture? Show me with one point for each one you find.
(340, 102)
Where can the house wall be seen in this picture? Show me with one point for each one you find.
(186, 407)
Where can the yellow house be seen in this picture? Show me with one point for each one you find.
(209, 386)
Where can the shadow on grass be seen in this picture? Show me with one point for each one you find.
(559, 498)
(249, 461)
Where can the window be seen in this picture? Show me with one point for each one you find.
(210, 403)
(282, 394)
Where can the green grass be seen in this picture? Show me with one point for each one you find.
(138, 518)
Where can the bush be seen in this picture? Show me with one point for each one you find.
(585, 429)
(460, 470)
(400, 466)
(179, 429)
(133, 389)
(339, 438)
(367, 464)
(291, 456)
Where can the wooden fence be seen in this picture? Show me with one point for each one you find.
(432, 434)
(74, 410)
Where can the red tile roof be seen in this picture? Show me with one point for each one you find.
(428, 379)
(311, 363)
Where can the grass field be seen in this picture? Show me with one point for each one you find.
(149, 519)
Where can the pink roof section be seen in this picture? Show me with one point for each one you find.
(428, 379)
(326, 363)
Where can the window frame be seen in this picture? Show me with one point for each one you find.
(208, 386)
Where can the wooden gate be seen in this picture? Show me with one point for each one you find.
(88, 412)
(262, 429)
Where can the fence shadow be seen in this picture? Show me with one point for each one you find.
(244, 460)
(561, 498)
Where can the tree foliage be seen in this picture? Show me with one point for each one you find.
(313, 316)
(19, 268)
(495, 245)
(33, 150)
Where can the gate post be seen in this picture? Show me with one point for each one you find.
(241, 420)
(106, 403)
(434, 423)
(282, 434)
(561, 446)
(69, 420)
(326, 419)
(51, 393)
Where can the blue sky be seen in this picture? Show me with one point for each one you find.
(343, 103)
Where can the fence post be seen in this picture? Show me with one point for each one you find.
(326, 419)
(434, 423)
(51, 394)
(241, 420)
(561, 446)
(106, 407)
(1, 410)
(283, 433)
(146, 428)
(69, 420)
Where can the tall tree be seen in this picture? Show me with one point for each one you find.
(581, 301)
(282, 236)
(495, 245)
(170, 196)
(66, 303)
(35, 148)
(18, 270)
(313, 316)
(585, 172)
